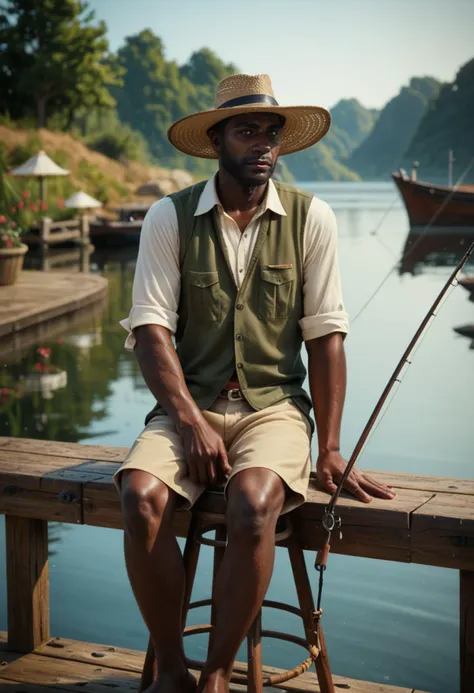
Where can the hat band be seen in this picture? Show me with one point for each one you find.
(251, 98)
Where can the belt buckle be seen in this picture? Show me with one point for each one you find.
(234, 394)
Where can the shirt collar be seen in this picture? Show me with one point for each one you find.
(209, 199)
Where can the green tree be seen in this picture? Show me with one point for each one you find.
(53, 59)
(157, 92)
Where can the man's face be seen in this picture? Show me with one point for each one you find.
(248, 147)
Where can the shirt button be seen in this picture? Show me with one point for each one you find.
(239, 337)
(240, 365)
(240, 306)
(241, 270)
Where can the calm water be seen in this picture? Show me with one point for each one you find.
(386, 622)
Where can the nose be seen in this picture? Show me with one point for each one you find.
(262, 146)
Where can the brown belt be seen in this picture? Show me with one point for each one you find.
(231, 391)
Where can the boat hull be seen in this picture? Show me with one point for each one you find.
(436, 205)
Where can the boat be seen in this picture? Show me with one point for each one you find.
(124, 229)
(436, 206)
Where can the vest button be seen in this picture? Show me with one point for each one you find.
(239, 337)
(240, 365)
(240, 306)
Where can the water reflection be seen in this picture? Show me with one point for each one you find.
(56, 388)
(434, 248)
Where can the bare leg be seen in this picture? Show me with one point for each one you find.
(255, 500)
(156, 572)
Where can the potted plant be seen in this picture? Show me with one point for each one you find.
(12, 251)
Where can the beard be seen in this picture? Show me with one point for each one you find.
(239, 169)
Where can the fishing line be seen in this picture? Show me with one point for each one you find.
(407, 365)
(415, 244)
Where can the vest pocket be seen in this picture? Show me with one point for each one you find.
(204, 298)
(275, 293)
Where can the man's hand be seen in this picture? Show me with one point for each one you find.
(329, 470)
(205, 452)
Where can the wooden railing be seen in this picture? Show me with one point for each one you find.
(431, 521)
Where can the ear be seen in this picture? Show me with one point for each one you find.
(215, 139)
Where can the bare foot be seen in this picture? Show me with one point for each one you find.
(183, 683)
(213, 683)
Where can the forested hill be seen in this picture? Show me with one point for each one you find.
(57, 72)
(350, 124)
(384, 148)
(156, 91)
(448, 124)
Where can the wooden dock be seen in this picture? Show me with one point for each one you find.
(41, 301)
(431, 521)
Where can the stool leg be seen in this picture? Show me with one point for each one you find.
(254, 656)
(221, 535)
(306, 602)
(190, 559)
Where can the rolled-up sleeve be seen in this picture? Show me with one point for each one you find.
(157, 282)
(323, 305)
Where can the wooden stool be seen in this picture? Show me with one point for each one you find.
(209, 515)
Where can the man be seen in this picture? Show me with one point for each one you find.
(239, 270)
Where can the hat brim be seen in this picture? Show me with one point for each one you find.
(304, 126)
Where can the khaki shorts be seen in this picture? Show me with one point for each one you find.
(276, 438)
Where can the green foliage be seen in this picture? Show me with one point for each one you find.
(97, 182)
(447, 124)
(383, 150)
(53, 59)
(156, 92)
(122, 145)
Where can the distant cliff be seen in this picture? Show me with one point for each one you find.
(385, 147)
(448, 124)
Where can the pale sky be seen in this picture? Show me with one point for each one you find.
(316, 51)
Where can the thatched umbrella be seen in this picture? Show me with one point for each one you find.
(40, 166)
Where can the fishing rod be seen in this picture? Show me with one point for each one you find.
(330, 521)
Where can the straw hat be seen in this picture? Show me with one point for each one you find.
(304, 125)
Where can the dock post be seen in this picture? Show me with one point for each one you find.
(27, 583)
(84, 226)
(44, 232)
(466, 629)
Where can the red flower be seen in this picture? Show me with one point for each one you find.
(9, 243)
(13, 210)
(61, 204)
(44, 206)
(59, 341)
(39, 366)
(25, 195)
(2, 219)
(13, 224)
(34, 208)
(20, 205)
(4, 391)
(44, 352)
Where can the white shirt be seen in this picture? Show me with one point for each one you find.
(157, 281)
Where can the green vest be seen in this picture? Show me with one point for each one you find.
(253, 331)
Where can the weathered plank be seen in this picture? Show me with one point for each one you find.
(466, 630)
(41, 296)
(117, 658)
(47, 671)
(53, 448)
(436, 484)
(445, 511)
(378, 513)
(58, 505)
(27, 583)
